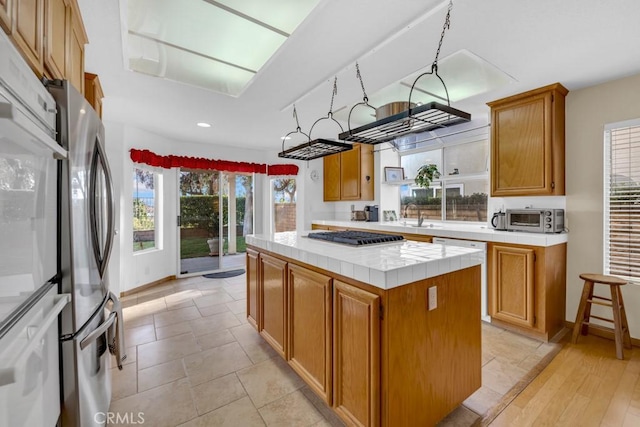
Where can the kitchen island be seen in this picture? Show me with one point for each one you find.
(386, 334)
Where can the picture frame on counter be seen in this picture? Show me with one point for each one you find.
(389, 216)
(393, 174)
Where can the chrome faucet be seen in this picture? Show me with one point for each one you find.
(420, 219)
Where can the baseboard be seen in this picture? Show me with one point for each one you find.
(635, 342)
(536, 335)
(147, 286)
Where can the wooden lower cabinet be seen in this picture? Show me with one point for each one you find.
(310, 311)
(253, 277)
(513, 294)
(527, 288)
(356, 355)
(273, 302)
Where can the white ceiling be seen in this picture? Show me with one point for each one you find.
(578, 43)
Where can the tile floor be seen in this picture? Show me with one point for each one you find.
(193, 360)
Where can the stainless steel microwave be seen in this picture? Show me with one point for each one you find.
(535, 220)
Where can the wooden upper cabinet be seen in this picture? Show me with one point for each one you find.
(28, 32)
(75, 62)
(93, 92)
(310, 310)
(56, 27)
(6, 15)
(331, 173)
(349, 175)
(527, 143)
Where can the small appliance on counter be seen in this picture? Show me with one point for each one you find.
(499, 221)
(535, 220)
(357, 215)
(371, 213)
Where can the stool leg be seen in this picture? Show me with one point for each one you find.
(583, 311)
(587, 309)
(625, 325)
(617, 320)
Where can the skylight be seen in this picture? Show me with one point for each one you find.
(218, 45)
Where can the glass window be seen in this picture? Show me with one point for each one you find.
(411, 163)
(466, 200)
(284, 204)
(622, 200)
(144, 209)
(465, 159)
(458, 192)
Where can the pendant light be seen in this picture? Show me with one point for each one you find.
(422, 118)
(314, 149)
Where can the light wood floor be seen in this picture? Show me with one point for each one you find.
(584, 385)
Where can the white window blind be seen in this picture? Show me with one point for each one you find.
(622, 200)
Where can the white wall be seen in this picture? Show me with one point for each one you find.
(587, 111)
(113, 148)
(129, 270)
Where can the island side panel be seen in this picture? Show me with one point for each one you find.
(433, 358)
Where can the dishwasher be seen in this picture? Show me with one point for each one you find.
(484, 312)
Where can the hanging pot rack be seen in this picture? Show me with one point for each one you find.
(314, 149)
(422, 118)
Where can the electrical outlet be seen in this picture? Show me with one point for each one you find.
(433, 298)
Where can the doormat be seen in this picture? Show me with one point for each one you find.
(224, 274)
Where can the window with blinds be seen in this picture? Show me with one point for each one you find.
(622, 200)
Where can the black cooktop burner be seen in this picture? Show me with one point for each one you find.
(355, 238)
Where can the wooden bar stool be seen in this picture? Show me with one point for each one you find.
(620, 327)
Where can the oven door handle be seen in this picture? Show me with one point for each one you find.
(8, 375)
(100, 330)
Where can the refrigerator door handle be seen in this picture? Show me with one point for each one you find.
(100, 330)
(8, 375)
(101, 252)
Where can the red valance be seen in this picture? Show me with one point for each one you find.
(152, 159)
(283, 170)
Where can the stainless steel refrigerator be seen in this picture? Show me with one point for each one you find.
(91, 327)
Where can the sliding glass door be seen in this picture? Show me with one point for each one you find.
(216, 212)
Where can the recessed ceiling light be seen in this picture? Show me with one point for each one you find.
(285, 137)
(204, 125)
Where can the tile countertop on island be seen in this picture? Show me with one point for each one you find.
(384, 265)
(479, 232)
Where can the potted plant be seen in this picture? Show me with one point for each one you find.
(426, 174)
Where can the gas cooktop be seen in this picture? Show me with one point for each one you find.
(355, 238)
